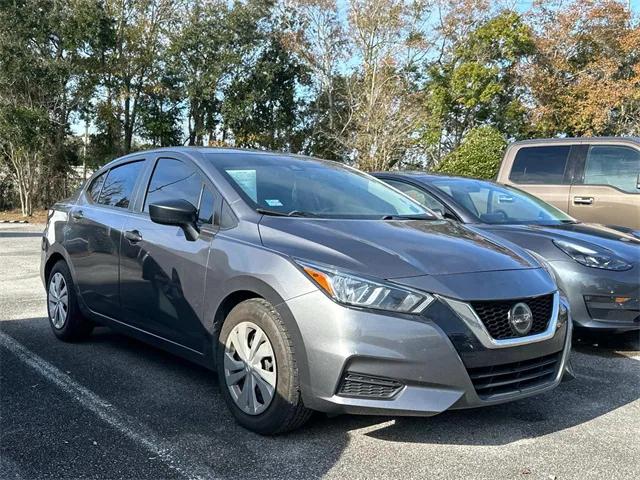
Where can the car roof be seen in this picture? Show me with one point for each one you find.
(573, 140)
(428, 176)
(191, 150)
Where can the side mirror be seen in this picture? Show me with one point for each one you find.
(180, 213)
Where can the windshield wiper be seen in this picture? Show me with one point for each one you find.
(421, 216)
(275, 213)
(298, 213)
(292, 213)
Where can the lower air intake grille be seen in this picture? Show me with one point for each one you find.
(495, 315)
(365, 386)
(514, 377)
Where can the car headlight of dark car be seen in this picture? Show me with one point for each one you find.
(356, 291)
(592, 255)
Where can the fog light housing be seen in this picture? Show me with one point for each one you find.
(615, 308)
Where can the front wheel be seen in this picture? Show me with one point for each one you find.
(65, 318)
(257, 370)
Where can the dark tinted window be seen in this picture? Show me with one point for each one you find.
(613, 165)
(544, 165)
(118, 187)
(171, 180)
(94, 189)
(207, 202)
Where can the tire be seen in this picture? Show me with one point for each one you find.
(71, 325)
(285, 410)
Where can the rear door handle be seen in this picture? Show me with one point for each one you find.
(582, 200)
(77, 214)
(133, 236)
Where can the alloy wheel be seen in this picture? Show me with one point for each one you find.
(250, 368)
(58, 300)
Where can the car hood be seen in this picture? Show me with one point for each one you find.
(392, 248)
(623, 244)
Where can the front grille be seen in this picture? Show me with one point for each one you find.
(514, 377)
(358, 385)
(494, 315)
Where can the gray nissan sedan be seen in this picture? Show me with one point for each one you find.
(305, 284)
(597, 267)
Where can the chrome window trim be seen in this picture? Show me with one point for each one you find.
(466, 312)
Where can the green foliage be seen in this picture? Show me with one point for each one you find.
(261, 109)
(476, 83)
(478, 155)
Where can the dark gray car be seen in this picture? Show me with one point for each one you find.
(597, 267)
(307, 285)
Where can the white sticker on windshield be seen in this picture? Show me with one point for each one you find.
(274, 203)
(246, 180)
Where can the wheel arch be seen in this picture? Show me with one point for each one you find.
(244, 288)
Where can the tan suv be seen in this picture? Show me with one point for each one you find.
(592, 179)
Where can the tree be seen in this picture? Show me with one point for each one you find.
(585, 77)
(316, 35)
(477, 82)
(384, 109)
(47, 66)
(131, 61)
(260, 109)
(479, 155)
(212, 47)
(160, 113)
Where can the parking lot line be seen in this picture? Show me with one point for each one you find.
(133, 430)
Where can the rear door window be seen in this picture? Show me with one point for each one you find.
(540, 165)
(117, 190)
(613, 165)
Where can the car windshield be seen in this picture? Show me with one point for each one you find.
(497, 204)
(281, 185)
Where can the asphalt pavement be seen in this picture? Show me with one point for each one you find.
(114, 408)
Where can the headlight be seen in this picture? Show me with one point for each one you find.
(592, 256)
(365, 293)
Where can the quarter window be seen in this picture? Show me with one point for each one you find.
(171, 180)
(544, 165)
(117, 190)
(616, 166)
(207, 203)
(94, 189)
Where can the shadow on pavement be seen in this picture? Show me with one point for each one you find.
(181, 402)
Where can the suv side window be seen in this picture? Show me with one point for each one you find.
(93, 192)
(118, 186)
(173, 179)
(537, 165)
(613, 165)
(417, 194)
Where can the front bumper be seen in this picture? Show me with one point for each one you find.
(429, 356)
(592, 295)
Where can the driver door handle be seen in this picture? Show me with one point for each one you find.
(133, 236)
(582, 200)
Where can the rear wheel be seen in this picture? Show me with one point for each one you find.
(257, 370)
(65, 318)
